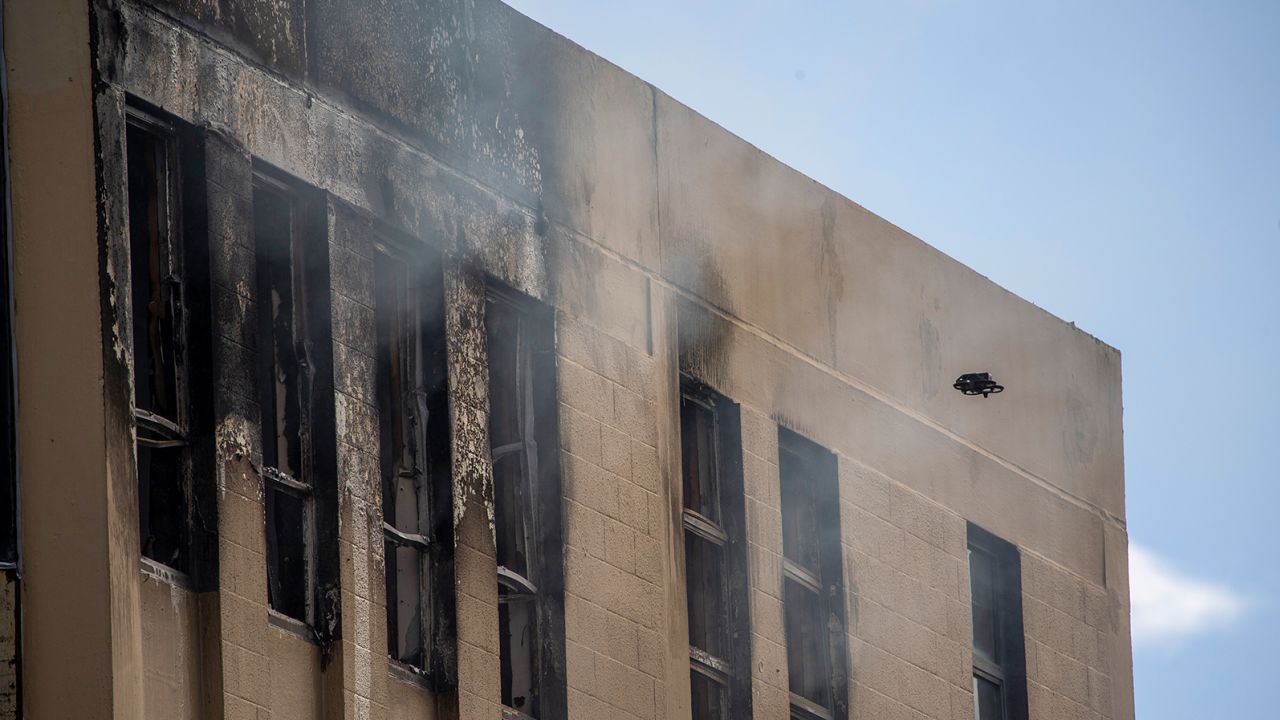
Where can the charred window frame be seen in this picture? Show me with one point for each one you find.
(524, 438)
(999, 654)
(715, 554)
(169, 299)
(289, 303)
(413, 406)
(813, 583)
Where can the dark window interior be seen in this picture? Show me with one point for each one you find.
(704, 561)
(518, 652)
(415, 457)
(808, 669)
(799, 472)
(715, 554)
(286, 552)
(160, 393)
(989, 697)
(282, 374)
(524, 447)
(813, 589)
(282, 358)
(698, 443)
(707, 695)
(999, 661)
(983, 583)
(154, 267)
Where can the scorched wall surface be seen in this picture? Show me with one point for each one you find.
(665, 245)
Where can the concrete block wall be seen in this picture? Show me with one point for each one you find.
(906, 568)
(907, 571)
(762, 488)
(520, 157)
(615, 527)
(907, 577)
(476, 560)
(362, 655)
(1068, 625)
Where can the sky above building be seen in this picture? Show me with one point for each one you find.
(1117, 164)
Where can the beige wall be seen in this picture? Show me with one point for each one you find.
(171, 651)
(79, 592)
(651, 231)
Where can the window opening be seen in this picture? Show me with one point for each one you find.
(813, 585)
(999, 661)
(415, 449)
(161, 396)
(715, 560)
(283, 378)
(524, 448)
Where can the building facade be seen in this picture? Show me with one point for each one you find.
(396, 359)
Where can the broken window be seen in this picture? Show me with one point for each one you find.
(161, 396)
(413, 404)
(284, 374)
(715, 555)
(813, 585)
(524, 448)
(999, 662)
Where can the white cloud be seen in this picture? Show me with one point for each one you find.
(1169, 607)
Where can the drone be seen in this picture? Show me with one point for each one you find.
(978, 384)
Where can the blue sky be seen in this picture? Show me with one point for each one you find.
(1117, 163)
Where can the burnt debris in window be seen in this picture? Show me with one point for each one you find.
(715, 554)
(161, 397)
(999, 659)
(813, 585)
(413, 405)
(524, 448)
(283, 376)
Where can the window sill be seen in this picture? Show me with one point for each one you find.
(803, 709)
(292, 626)
(513, 714)
(407, 673)
(165, 574)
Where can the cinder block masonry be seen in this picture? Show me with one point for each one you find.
(646, 260)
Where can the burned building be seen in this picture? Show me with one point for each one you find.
(401, 359)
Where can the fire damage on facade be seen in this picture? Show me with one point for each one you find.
(424, 365)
